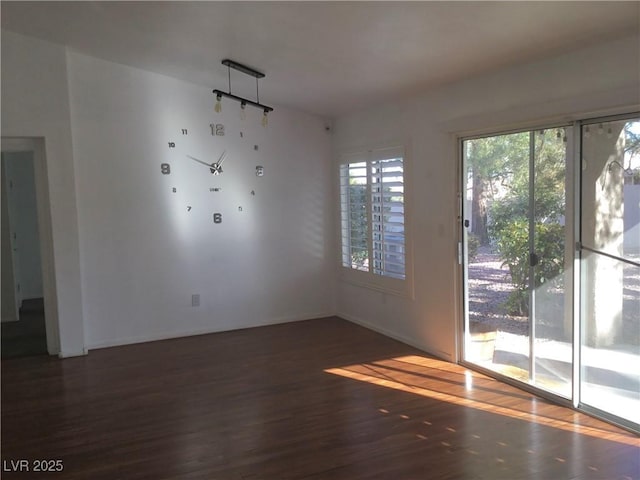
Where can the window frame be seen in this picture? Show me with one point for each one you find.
(368, 278)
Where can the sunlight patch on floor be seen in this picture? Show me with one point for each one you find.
(386, 373)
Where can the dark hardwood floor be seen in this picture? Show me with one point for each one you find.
(28, 335)
(320, 399)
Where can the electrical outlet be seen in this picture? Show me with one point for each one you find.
(195, 300)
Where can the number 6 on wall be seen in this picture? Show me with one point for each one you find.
(217, 218)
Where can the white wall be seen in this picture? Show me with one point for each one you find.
(35, 103)
(23, 214)
(602, 77)
(143, 255)
(128, 257)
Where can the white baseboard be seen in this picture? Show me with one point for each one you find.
(395, 336)
(191, 333)
(79, 353)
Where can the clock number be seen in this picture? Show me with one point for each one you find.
(172, 144)
(184, 131)
(217, 218)
(175, 190)
(188, 208)
(217, 129)
(165, 168)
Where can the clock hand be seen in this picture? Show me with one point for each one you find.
(222, 157)
(200, 161)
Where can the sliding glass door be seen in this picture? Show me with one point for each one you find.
(551, 261)
(518, 320)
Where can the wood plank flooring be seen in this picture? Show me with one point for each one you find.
(320, 399)
(28, 335)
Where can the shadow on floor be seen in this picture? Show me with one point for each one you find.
(27, 336)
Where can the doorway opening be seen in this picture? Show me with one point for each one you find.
(23, 321)
(29, 319)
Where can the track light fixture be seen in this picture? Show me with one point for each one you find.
(243, 101)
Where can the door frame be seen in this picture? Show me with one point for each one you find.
(37, 147)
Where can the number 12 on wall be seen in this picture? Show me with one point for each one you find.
(217, 218)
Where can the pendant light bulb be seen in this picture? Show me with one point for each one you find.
(265, 120)
(218, 107)
(243, 111)
(609, 133)
(587, 132)
(600, 129)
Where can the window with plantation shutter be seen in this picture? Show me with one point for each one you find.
(372, 212)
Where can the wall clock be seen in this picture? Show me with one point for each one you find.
(196, 167)
(190, 156)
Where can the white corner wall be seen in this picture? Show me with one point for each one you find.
(143, 255)
(35, 103)
(601, 78)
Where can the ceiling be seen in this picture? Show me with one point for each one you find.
(326, 58)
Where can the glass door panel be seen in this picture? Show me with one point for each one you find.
(496, 320)
(610, 277)
(551, 273)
